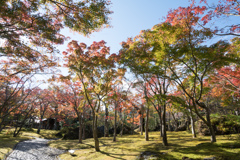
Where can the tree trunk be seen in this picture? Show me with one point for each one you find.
(48, 125)
(133, 123)
(2, 125)
(115, 124)
(160, 120)
(212, 132)
(141, 123)
(208, 121)
(146, 125)
(80, 128)
(141, 120)
(176, 121)
(123, 119)
(165, 143)
(84, 128)
(55, 120)
(95, 136)
(106, 130)
(192, 124)
(39, 127)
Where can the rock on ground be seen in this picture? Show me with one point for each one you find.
(35, 149)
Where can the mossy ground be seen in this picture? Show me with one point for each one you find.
(128, 147)
(7, 141)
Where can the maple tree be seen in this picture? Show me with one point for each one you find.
(43, 105)
(40, 23)
(205, 13)
(95, 73)
(137, 54)
(13, 95)
(117, 96)
(183, 48)
(224, 87)
(72, 97)
(26, 109)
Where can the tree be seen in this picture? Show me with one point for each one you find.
(117, 96)
(73, 97)
(43, 105)
(188, 57)
(207, 12)
(40, 23)
(13, 95)
(137, 54)
(95, 73)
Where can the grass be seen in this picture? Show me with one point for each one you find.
(181, 144)
(7, 141)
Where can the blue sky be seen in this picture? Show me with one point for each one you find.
(128, 19)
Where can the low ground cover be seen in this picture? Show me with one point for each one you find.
(129, 147)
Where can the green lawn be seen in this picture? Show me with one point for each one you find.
(7, 141)
(181, 144)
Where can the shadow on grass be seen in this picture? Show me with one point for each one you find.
(211, 149)
(113, 155)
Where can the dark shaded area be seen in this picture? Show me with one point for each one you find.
(73, 133)
(222, 124)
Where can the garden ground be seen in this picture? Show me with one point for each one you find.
(129, 147)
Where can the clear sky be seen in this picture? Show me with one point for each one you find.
(128, 19)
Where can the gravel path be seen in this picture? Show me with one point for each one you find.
(34, 149)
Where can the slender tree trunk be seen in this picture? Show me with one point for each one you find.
(188, 122)
(146, 125)
(40, 125)
(84, 128)
(208, 121)
(115, 124)
(176, 122)
(48, 126)
(80, 128)
(165, 143)
(106, 129)
(133, 123)
(55, 121)
(21, 125)
(141, 123)
(123, 119)
(2, 125)
(192, 124)
(141, 120)
(160, 120)
(95, 136)
(212, 132)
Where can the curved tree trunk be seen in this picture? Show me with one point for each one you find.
(208, 121)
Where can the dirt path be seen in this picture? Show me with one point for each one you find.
(35, 149)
